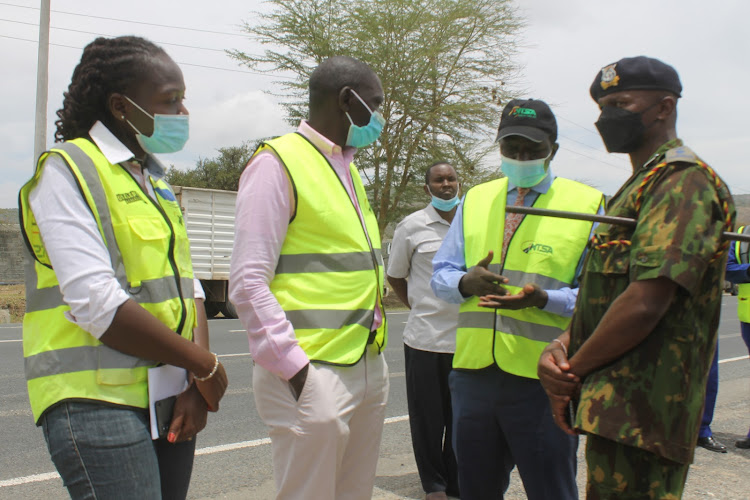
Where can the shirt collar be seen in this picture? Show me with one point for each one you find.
(433, 216)
(540, 188)
(325, 145)
(116, 152)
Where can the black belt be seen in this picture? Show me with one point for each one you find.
(371, 338)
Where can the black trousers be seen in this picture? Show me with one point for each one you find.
(430, 417)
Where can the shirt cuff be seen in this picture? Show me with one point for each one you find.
(561, 302)
(288, 366)
(445, 285)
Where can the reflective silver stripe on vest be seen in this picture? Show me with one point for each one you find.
(161, 290)
(330, 318)
(532, 331)
(545, 282)
(90, 174)
(511, 326)
(150, 292)
(326, 262)
(520, 278)
(76, 359)
(476, 319)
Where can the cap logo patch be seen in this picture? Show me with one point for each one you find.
(525, 112)
(609, 77)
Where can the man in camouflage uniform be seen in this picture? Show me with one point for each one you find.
(644, 332)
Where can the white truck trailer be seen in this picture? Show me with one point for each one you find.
(209, 220)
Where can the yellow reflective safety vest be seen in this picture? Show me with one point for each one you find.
(741, 249)
(329, 277)
(543, 250)
(150, 255)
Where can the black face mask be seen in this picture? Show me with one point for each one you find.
(621, 130)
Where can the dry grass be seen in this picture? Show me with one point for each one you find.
(13, 298)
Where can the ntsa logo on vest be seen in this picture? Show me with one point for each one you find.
(532, 247)
(130, 197)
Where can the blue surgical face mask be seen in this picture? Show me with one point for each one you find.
(441, 204)
(170, 134)
(525, 173)
(359, 137)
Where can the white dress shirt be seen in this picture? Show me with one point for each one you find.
(72, 240)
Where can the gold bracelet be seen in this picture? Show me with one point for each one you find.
(213, 372)
(565, 349)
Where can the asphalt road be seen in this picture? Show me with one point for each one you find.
(234, 459)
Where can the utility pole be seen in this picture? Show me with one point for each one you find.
(42, 82)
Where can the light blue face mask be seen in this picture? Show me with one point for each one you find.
(441, 204)
(525, 173)
(170, 134)
(359, 137)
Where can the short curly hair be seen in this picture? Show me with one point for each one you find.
(107, 65)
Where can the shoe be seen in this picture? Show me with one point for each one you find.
(743, 443)
(711, 444)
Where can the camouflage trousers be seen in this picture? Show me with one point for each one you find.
(625, 472)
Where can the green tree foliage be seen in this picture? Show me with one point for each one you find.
(221, 172)
(443, 65)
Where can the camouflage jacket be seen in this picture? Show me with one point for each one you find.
(652, 396)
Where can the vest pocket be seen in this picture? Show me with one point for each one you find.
(117, 368)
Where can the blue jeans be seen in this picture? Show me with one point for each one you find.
(106, 452)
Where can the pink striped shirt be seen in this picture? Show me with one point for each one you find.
(264, 206)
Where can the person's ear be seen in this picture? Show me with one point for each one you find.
(118, 106)
(427, 191)
(555, 147)
(344, 99)
(666, 107)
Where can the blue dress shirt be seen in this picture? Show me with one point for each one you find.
(449, 265)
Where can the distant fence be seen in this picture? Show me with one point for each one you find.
(11, 254)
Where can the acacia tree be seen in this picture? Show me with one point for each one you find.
(221, 172)
(442, 63)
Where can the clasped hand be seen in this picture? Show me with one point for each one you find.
(559, 383)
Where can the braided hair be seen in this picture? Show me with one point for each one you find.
(108, 65)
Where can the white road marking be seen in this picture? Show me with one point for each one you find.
(209, 450)
(729, 360)
(17, 481)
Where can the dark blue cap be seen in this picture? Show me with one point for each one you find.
(635, 73)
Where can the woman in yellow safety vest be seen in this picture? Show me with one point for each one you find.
(115, 335)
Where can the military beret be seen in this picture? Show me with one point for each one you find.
(635, 73)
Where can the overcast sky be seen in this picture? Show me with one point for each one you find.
(563, 47)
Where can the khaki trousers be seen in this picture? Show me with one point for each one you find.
(326, 444)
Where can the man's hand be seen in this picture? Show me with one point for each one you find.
(553, 371)
(480, 281)
(560, 409)
(529, 296)
(297, 382)
(189, 417)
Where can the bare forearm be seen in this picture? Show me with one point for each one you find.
(627, 322)
(401, 287)
(137, 332)
(200, 332)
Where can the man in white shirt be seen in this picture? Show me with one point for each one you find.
(430, 333)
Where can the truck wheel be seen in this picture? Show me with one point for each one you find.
(212, 309)
(228, 310)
